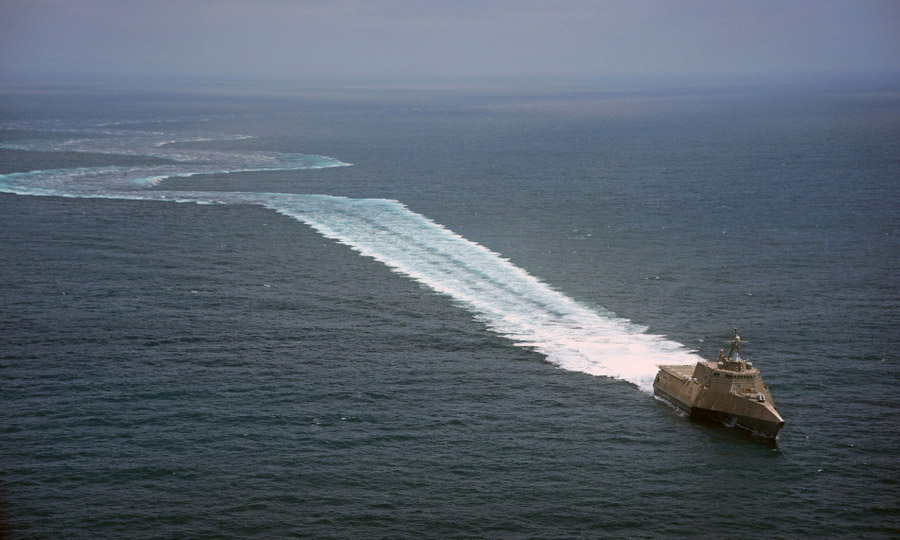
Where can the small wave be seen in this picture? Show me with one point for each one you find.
(204, 139)
(175, 141)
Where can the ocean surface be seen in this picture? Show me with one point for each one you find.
(368, 313)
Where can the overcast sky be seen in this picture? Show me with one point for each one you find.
(406, 39)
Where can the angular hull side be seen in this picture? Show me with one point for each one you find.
(672, 400)
(731, 409)
(764, 428)
(674, 385)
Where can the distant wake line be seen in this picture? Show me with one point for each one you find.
(502, 296)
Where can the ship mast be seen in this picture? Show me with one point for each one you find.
(736, 346)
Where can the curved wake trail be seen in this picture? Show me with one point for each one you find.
(503, 296)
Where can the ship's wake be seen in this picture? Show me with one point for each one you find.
(503, 296)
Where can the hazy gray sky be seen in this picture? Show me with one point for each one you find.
(310, 40)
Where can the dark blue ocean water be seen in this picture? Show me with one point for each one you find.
(330, 351)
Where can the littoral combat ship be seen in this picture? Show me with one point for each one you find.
(729, 391)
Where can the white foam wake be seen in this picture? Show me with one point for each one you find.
(503, 296)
